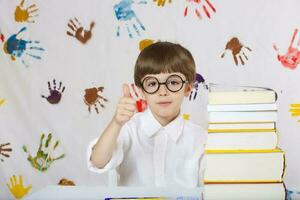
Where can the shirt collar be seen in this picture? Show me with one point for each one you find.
(151, 126)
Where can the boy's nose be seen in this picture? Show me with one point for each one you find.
(162, 91)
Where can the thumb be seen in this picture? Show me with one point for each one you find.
(126, 91)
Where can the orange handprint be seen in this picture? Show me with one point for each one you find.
(24, 14)
(16, 188)
(161, 2)
(78, 32)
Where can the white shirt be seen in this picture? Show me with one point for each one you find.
(148, 154)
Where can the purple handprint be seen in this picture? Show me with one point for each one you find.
(18, 47)
(55, 94)
(198, 80)
(127, 17)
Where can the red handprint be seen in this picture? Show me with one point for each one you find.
(198, 4)
(141, 104)
(292, 57)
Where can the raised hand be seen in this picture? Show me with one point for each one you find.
(161, 2)
(17, 188)
(127, 18)
(126, 107)
(25, 14)
(197, 4)
(43, 158)
(77, 31)
(237, 50)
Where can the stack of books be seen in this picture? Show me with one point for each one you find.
(243, 160)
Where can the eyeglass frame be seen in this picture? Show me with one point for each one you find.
(164, 83)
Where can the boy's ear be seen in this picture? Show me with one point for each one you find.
(188, 89)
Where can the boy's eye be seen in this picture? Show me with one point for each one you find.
(173, 82)
(152, 83)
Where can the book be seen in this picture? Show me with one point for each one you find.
(258, 139)
(244, 97)
(264, 116)
(244, 166)
(248, 191)
(240, 126)
(242, 107)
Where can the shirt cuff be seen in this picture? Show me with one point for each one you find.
(116, 159)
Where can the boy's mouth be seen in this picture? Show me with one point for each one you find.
(164, 103)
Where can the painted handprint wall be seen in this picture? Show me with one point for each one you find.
(62, 65)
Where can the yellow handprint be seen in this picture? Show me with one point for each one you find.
(295, 110)
(161, 2)
(2, 101)
(16, 188)
(24, 14)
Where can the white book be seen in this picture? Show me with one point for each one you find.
(242, 107)
(238, 166)
(265, 116)
(240, 126)
(242, 140)
(261, 191)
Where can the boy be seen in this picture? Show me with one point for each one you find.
(156, 147)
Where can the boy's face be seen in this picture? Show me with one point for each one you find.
(164, 93)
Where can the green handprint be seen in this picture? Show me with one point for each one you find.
(43, 158)
(17, 188)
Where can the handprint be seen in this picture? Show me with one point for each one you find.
(295, 110)
(2, 101)
(141, 104)
(127, 17)
(92, 97)
(78, 32)
(292, 57)
(144, 43)
(236, 48)
(16, 187)
(198, 80)
(161, 2)
(55, 94)
(25, 14)
(4, 150)
(66, 182)
(43, 158)
(18, 47)
(197, 4)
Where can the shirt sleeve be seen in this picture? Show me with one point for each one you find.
(123, 143)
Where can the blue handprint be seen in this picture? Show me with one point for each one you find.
(198, 80)
(17, 47)
(127, 17)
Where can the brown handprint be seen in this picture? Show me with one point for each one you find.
(25, 14)
(78, 32)
(4, 150)
(236, 48)
(92, 97)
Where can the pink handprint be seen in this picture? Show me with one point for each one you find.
(197, 4)
(292, 57)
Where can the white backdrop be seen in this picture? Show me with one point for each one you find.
(107, 60)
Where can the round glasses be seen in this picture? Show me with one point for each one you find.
(174, 83)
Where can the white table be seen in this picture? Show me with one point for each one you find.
(55, 192)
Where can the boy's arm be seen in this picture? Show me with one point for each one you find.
(103, 149)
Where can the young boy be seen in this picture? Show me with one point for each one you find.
(156, 147)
